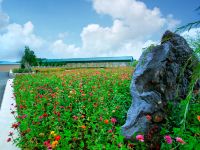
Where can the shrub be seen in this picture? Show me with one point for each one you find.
(21, 70)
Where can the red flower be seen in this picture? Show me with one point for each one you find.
(45, 115)
(21, 107)
(106, 121)
(58, 137)
(58, 114)
(109, 131)
(9, 139)
(15, 125)
(113, 120)
(148, 117)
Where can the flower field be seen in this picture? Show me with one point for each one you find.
(72, 109)
(85, 109)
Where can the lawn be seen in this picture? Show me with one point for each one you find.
(72, 109)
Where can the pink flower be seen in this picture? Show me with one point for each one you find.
(47, 143)
(168, 139)
(75, 117)
(109, 131)
(180, 140)
(49, 148)
(140, 138)
(41, 117)
(113, 120)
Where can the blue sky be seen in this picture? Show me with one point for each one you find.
(88, 28)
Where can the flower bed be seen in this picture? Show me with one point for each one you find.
(84, 109)
(76, 109)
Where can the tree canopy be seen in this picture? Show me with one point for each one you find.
(29, 58)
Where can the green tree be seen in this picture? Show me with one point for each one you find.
(29, 59)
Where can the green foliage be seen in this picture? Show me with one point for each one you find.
(28, 59)
(21, 70)
(188, 26)
(134, 64)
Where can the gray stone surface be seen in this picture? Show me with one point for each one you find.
(158, 79)
(3, 79)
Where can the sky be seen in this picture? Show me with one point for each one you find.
(88, 28)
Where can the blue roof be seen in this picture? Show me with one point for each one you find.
(92, 59)
(8, 63)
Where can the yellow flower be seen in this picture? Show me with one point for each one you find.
(54, 144)
(54, 135)
(52, 132)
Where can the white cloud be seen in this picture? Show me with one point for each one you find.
(61, 50)
(134, 15)
(133, 25)
(15, 38)
(172, 23)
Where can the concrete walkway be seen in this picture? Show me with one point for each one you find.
(3, 79)
(6, 118)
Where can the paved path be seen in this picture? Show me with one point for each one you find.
(6, 118)
(3, 79)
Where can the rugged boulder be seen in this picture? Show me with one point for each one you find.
(162, 75)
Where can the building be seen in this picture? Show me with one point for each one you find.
(89, 62)
(7, 66)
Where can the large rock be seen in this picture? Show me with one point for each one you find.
(162, 75)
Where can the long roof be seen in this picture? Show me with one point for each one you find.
(93, 59)
(8, 63)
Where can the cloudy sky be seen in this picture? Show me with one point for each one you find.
(88, 28)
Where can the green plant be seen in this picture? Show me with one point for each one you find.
(28, 59)
(20, 70)
(134, 64)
